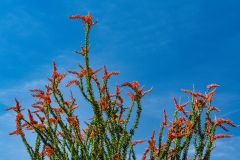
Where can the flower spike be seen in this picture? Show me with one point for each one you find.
(210, 86)
(86, 19)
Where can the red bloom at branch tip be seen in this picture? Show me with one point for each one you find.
(48, 151)
(219, 121)
(87, 19)
(17, 132)
(54, 66)
(135, 84)
(16, 108)
(211, 108)
(210, 86)
(209, 96)
(133, 98)
(164, 118)
(106, 75)
(53, 120)
(74, 81)
(217, 136)
(137, 141)
(19, 116)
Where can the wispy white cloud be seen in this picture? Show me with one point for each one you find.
(226, 147)
(21, 91)
(19, 20)
(229, 113)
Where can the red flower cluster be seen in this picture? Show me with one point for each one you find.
(87, 19)
(48, 151)
(19, 117)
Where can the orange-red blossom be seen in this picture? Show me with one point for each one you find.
(87, 19)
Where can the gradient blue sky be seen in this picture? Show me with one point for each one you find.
(170, 45)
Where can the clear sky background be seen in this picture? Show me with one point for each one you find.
(167, 45)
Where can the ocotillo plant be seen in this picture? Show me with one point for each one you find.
(189, 127)
(106, 136)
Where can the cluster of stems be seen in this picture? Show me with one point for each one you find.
(59, 135)
(189, 128)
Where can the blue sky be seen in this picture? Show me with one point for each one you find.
(170, 45)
